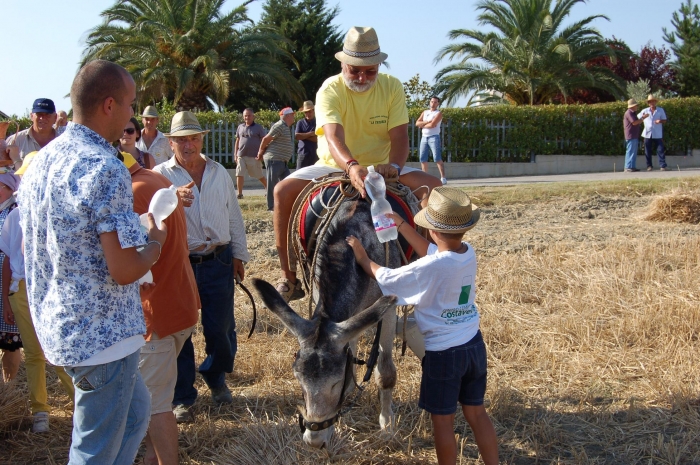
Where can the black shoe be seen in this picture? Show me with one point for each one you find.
(221, 395)
(631, 170)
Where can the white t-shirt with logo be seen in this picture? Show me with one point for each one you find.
(441, 288)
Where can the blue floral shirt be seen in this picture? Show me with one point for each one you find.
(75, 190)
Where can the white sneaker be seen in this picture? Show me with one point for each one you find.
(41, 422)
(443, 181)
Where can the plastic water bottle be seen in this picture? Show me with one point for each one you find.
(163, 203)
(383, 225)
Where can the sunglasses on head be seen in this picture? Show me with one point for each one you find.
(130, 131)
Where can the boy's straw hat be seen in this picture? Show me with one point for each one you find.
(449, 210)
(631, 103)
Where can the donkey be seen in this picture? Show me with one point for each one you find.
(348, 302)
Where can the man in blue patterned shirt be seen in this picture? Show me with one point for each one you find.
(82, 264)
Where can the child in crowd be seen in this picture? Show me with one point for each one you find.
(440, 286)
(16, 305)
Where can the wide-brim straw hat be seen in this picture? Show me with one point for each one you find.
(361, 48)
(150, 112)
(651, 98)
(308, 106)
(449, 210)
(631, 103)
(185, 123)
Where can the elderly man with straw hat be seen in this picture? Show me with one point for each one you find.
(654, 117)
(152, 140)
(217, 252)
(631, 124)
(361, 120)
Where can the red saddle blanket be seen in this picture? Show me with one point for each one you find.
(309, 220)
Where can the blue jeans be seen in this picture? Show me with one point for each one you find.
(432, 142)
(631, 153)
(112, 409)
(649, 144)
(276, 171)
(215, 284)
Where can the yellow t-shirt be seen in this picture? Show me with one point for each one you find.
(366, 118)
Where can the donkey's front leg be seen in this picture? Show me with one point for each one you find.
(385, 372)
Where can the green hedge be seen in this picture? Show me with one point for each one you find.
(506, 133)
(473, 134)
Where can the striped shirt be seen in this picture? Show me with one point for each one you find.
(214, 218)
(282, 146)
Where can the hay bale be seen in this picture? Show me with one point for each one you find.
(676, 207)
(13, 406)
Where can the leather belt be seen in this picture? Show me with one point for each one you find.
(197, 259)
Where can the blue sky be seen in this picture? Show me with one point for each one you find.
(43, 39)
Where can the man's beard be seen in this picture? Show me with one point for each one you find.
(355, 86)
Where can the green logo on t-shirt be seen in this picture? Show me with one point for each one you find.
(464, 295)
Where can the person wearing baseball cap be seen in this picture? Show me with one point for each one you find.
(152, 140)
(276, 149)
(361, 120)
(35, 137)
(217, 253)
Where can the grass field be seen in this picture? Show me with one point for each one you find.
(590, 311)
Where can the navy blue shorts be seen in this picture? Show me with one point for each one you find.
(455, 374)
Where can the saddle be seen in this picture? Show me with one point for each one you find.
(315, 207)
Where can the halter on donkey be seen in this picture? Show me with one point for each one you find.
(347, 301)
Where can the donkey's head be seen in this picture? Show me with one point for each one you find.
(323, 364)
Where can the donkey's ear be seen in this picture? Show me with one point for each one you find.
(297, 325)
(352, 327)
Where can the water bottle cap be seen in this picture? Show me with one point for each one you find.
(370, 168)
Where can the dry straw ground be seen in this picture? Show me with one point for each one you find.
(590, 311)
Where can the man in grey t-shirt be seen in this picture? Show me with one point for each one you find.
(277, 148)
(245, 152)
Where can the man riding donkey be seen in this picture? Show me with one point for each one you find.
(361, 120)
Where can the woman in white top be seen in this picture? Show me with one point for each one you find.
(430, 121)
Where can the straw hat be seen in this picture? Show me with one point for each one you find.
(631, 103)
(185, 123)
(149, 112)
(361, 48)
(449, 210)
(651, 98)
(308, 106)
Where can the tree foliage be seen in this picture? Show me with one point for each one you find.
(189, 51)
(418, 92)
(685, 45)
(312, 39)
(651, 65)
(531, 57)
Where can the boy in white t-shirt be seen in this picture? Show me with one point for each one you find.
(440, 286)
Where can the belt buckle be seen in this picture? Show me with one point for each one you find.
(196, 259)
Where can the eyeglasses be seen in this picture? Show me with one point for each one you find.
(130, 131)
(366, 72)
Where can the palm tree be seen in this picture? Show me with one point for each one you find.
(530, 57)
(189, 52)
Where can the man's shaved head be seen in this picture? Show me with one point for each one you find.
(94, 83)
